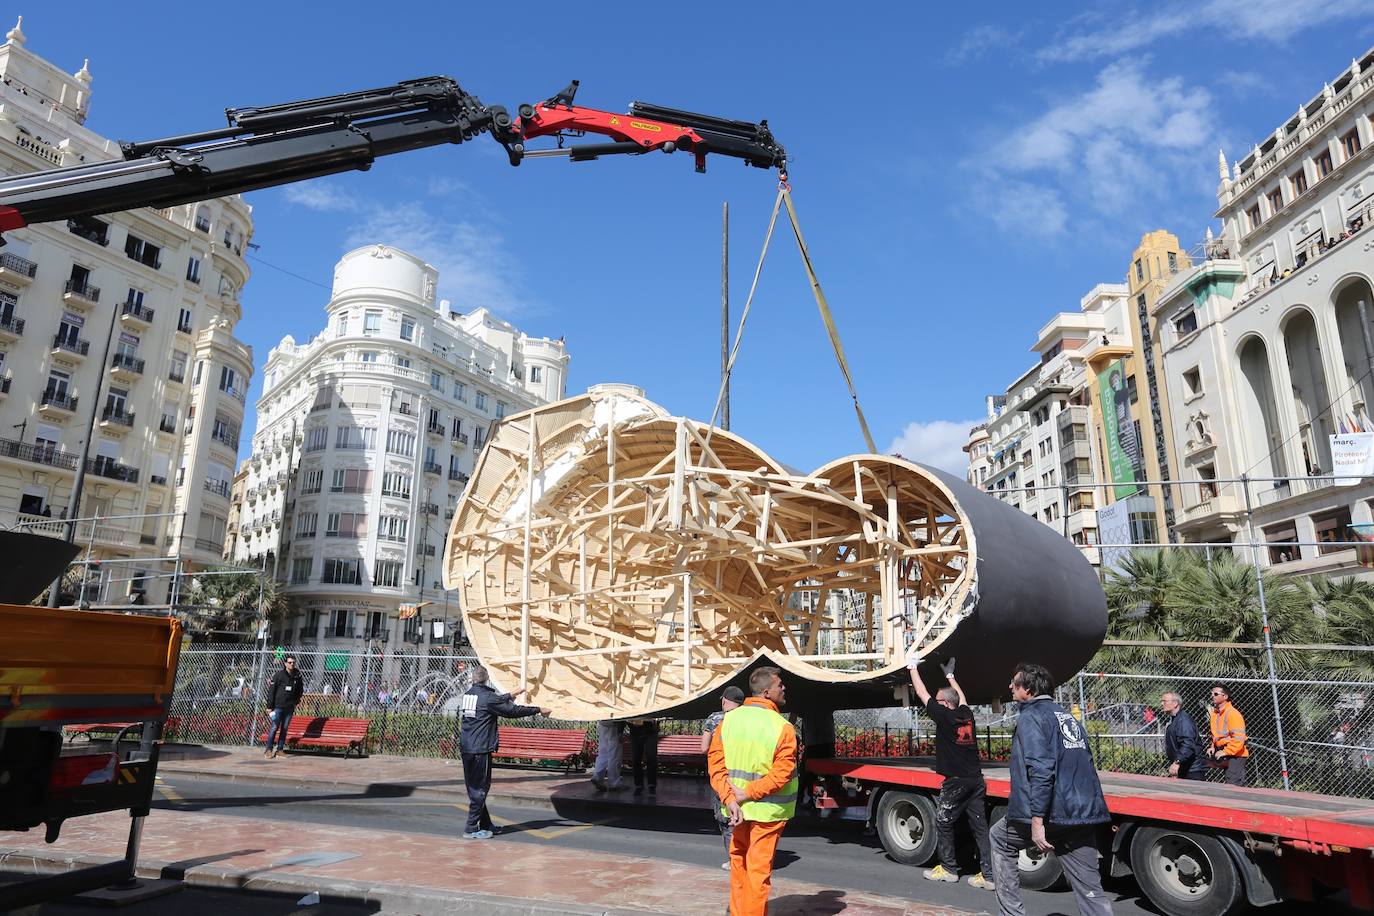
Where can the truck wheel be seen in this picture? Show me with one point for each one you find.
(906, 827)
(1185, 874)
(1040, 871)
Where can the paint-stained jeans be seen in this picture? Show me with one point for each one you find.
(963, 795)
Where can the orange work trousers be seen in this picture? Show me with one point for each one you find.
(751, 865)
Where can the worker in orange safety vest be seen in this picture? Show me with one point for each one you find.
(752, 762)
(1228, 748)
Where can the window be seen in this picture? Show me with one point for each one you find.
(368, 356)
(184, 321)
(1192, 381)
(306, 524)
(343, 572)
(480, 401)
(407, 329)
(1130, 386)
(1281, 538)
(177, 372)
(1186, 323)
(479, 436)
(203, 219)
(396, 483)
(225, 430)
(134, 299)
(317, 439)
(436, 381)
(1081, 500)
(1298, 183)
(355, 437)
(401, 361)
(57, 385)
(169, 417)
(392, 528)
(340, 623)
(142, 251)
(1077, 469)
(1333, 528)
(399, 442)
(500, 409)
(1139, 270)
(1323, 163)
(341, 324)
(200, 371)
(345, 525)
(1276, 200)
(351, 480)
(1144, 528)
(1350, 143)
(460, 391)
(1253, 214)
(387, 574)
(536, 373)
(312, 481)
(1207, 472)
(193, 269)
(372, 323)
(229, 381)
(301, 568)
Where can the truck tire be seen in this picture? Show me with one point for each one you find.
(1040, 871)
(1185, 874)
(906, 827)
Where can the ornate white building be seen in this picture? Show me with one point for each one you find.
(366, 437)
(1263, 343)
(162, 288)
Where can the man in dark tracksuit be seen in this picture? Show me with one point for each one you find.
(283, 693)
(963, 793)
(1181, 740)
(479, 709)
(1056, 801)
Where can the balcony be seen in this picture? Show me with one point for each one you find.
(82, 295)
(217, 487)
(429, 509)
(175, 376)
(157, 480)
(113, 416)
(136, 314)
(460, 439)
(15, 269)
(126, 367)
(184, 327)
(459, 476)
(54, 403)
(11, 328)
(435, 429)
(37, 454)
(210, 545)
(92, 230)
(432, 467)
(424, 550)
(110, 469)
(405, 410)
(70, 347)
(238, 394)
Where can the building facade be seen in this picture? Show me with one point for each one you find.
(1267, 339)
(366, 437)
(122, 325)
(1037, 450)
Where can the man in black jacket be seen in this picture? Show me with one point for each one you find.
(479, 709)
(1181, 740)
(283, 693)
(1056, 801)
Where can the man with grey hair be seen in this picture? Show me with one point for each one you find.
(963, 793)
(478, 711)
(1181, 740)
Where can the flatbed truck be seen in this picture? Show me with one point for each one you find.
(1194, 848)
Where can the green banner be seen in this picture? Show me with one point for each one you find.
(336, 661)
(1124, 460)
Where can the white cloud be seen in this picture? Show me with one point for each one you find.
(320, 195)
(1273, 21)
(475, 267)
(939, 443)
(1104, 152)
(979, 41)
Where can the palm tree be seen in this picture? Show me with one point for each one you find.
(1141, 605)
(1348, 608)
(230, 601)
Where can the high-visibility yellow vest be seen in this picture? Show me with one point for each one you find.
(749, 734)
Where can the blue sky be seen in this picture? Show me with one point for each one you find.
(960, 176)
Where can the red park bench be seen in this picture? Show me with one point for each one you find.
(327, 732)
(681, 751)
(566, 746)
(111, 729)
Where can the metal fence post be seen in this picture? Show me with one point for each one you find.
(1264, 617)
(1082, 701)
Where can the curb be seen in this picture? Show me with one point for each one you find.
(420, 900)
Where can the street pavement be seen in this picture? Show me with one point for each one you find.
(383, 834)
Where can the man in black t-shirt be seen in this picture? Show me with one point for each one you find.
(963, 791)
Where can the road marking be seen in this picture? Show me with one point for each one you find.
(171, 794)
(551, 833)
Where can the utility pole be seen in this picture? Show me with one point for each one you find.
(74, 510)
(725, 314)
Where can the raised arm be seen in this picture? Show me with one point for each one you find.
(913, 662)
(948, 669)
